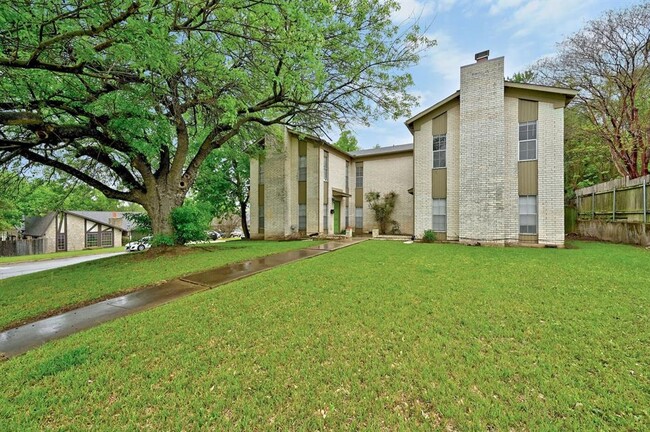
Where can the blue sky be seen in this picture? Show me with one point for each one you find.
(520, 30)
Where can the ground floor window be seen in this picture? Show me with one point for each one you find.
(358, 217)
(302, 217)
(528, 214)
(439, 214)
(260, 219)
(325, 217)
(92, 239)
(60, 241)
(107, 238)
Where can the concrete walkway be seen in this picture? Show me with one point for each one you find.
(8, 270)
(18, 340)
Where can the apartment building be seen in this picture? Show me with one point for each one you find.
(486, 166)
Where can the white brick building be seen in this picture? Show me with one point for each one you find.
(486, 165)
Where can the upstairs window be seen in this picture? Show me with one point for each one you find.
(528, 141)
(302, 168)
(439, 151)
(359, 175)
(326, 166)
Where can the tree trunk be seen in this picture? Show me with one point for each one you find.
(244, 224)
(159, 205)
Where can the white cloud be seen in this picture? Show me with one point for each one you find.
(447, 57)
(498, 6)
(411, 10)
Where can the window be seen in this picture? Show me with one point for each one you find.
(440, 215)
(60, 241)
(439, 151)
(107, 238)
(302, 168)
(326, 166)
(325, 217)
(347, 214)
(358, 217)
(528, 215)
(528, 141)
(347, 176)
(359, 176)
(261, 219)
(302, 217)
(260, 177)
(92, 239)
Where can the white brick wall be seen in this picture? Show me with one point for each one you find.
(511, 173)
(253, 200)
(423, 162)
(482, 152)
(313, 188)
(550, 148)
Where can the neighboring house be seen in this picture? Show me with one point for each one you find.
(77, 230)
(487, 166)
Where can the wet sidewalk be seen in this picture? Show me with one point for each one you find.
(18, 340)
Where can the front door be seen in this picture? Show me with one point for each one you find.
(337, 217)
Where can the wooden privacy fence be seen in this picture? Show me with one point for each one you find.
(22, 247)
(617, 200)
(615, 211)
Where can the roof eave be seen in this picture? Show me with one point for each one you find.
(409, 122)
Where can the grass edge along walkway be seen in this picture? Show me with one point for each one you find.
(19, 340)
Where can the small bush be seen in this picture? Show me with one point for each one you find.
(162, 240)
(429, 236)
(190, 222)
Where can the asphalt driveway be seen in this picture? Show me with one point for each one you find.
(23, 268)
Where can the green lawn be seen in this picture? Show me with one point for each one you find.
(56, 255)
(377, 336)
(25, 297)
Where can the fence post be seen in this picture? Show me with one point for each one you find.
(593, 205)
(614, 206)
(645, 203)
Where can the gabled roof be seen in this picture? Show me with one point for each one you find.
(103, 217)
(383, 150)
(35, 226)
(569, 93)
(432, 108)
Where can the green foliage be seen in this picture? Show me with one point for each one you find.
(137, 95)
(190, 222)
(347, 142)
(44, 192)
(142, 221)
(526, 76)
(587, 161)
(162, 240)
(382, 208)
(429, 236)
(224, 180)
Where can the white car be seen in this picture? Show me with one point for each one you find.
(237, 233)
(139, 245)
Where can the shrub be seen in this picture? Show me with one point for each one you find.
(190, 222)
(429, 236)
(382, 208)
(162, 240)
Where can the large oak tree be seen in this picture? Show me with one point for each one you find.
(132, 97)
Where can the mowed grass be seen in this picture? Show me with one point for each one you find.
(58, 255)
(38, 294)
(377, 336)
